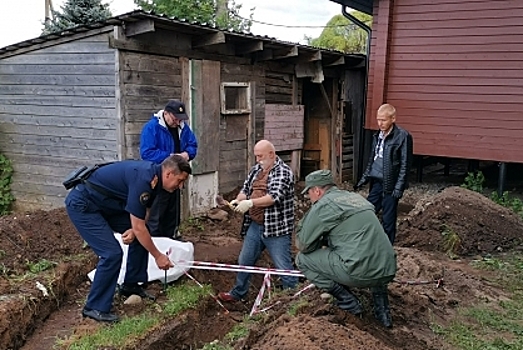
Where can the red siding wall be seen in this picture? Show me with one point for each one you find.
(454, 71)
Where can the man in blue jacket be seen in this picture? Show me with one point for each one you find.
(165, 134)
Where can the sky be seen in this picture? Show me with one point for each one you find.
(22, 19)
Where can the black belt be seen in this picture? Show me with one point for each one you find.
(100, 190)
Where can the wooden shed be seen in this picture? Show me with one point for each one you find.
(82, 97)
(453, 69)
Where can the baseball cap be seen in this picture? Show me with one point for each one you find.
(177, 108)
(318, 178)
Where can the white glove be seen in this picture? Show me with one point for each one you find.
(243, 206)
(233, 203)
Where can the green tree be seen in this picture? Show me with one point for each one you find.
(223, 14)
(343, 35)
(75, 13)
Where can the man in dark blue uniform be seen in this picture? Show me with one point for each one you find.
(116, 198)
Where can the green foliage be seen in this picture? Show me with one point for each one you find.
(6, 178)
(75, 13)
(507, 201)
(474, 182)
(223, 14)
(343, 35)
(451, 242)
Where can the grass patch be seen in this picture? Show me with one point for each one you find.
(239, 331)
(40, 266)
(124, 333)
(117, 336)
(296, 306)
(451, 242)
(216, 346)
(492, 326)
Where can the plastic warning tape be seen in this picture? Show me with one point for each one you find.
(203, 265)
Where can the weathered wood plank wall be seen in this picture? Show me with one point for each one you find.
(234, 145)
(284, 126)
(57, 112)
(148, 82)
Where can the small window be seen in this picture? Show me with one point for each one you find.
(235, 98)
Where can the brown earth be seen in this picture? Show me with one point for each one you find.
(29, 320)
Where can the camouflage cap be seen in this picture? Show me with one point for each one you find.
(318, 178)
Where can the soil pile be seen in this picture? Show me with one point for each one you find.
(35, 236)
(462, 222)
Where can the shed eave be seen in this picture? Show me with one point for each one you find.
(364, 6)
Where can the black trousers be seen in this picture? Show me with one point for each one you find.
(164, 216)
(388, 205)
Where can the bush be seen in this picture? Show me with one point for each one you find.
(474, 182)
(6, 177)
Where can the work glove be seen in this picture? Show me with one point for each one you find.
(233, 203)
(356, 188)
(397, 194)
(243, 206)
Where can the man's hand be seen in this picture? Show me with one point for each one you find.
(163, 262)
(128, 236)
(397, 194)
(356, 188)
(184, 155)
(243, 206)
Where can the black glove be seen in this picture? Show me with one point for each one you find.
(356, 188)
(397, 194)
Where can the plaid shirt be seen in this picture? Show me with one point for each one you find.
(279, 217)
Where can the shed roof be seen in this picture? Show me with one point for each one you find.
(360, 5)
(139, 22)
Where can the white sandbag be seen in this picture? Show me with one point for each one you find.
(177, 251)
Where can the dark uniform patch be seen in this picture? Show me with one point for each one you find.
(144, 198)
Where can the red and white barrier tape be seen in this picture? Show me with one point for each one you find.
(259, 297)
(237, 268)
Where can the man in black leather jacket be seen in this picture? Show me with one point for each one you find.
(388, 168)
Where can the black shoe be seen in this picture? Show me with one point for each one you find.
(345, 300)
(100, 316)
(129, 289)
(380, 299)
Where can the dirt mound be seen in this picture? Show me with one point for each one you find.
(29, 238)
(461, 222)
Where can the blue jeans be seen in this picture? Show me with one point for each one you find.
(254, 244)
(388, 204)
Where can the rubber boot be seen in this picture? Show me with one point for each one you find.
(380, 299)
(345, 300)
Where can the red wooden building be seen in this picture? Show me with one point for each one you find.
(454, 71)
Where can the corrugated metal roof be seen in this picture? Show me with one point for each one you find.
(137, 15)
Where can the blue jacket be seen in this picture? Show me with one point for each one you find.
(156, 142)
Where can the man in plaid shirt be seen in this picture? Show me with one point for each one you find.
(267, 202)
